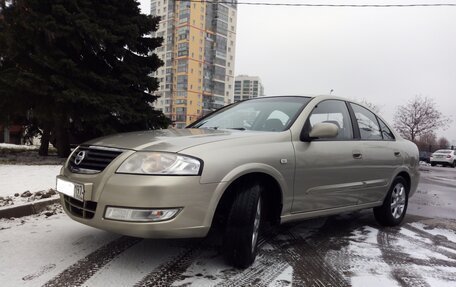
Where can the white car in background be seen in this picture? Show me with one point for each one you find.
(445, 157)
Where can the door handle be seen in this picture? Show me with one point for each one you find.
(397, 153)
(357, 155)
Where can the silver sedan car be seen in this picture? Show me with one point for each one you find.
(265, 160)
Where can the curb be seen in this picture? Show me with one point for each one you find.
(26, 209)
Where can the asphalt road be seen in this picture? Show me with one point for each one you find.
(344, 250)
(436, 195)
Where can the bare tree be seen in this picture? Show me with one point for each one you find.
(427, 141)
(418, 117)
(443, 142)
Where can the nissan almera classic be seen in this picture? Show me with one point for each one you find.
(269, 159)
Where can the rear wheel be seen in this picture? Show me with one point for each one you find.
(393, 209)
(243, 226)
(433, 164)
(453, 165)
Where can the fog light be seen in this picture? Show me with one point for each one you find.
(127, 214)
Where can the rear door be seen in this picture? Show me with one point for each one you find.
(380, 155)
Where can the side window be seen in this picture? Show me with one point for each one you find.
(386, 132)
(367, 123)
(335, 112)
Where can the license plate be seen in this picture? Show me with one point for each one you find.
(72, 189)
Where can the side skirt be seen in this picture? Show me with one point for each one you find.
(325, 212)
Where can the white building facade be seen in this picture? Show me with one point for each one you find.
(247, 87)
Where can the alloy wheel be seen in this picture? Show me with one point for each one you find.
(256, 225)
(398, 198)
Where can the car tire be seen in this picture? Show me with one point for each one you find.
(433, 164)
(394, 207)
(243, 226)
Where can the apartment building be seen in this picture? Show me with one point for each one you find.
(247, 87)
(198, 54)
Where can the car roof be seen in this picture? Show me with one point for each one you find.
(319, 97)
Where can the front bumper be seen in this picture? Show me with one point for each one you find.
(197, 202)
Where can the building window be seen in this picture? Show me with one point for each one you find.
(182, 66)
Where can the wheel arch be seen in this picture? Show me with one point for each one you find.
(272, 195)
(405, 175)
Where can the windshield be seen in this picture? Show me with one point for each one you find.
(260, 114)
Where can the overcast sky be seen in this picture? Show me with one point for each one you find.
(383, 55)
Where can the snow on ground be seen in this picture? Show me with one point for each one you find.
(18, 147)
(378, 258)
(20, 178)
(35, 249)
(41, 249)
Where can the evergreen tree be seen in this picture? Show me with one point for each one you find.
(81, 66)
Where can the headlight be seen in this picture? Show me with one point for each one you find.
(160, 163)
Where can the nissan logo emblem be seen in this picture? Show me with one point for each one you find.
(79, 157)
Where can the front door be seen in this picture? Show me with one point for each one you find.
(327, 170)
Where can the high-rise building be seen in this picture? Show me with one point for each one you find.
(247, 87)
(198, 54)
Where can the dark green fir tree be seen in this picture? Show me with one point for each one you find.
(79, 68)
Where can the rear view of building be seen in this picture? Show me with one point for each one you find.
(198, 54)
(246, 87)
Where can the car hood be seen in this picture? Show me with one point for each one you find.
(171, 140)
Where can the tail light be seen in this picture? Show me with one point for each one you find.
(448, 156)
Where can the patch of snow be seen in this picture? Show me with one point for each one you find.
(412, 234)
(33, 259)
(440, 283)
(283, 279)
(368, 236)
(207, 270)
(364, 249)
(414, 251)
(423, 163)
(362, 258)
(449, 234)
(373, 281)
(18, 147)
(438, 275)
(133, 264)
(20, 178)
(448, 249)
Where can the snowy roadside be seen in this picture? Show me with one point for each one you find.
(27, 155)
(18, 147)
(20, 184)
(346, 250)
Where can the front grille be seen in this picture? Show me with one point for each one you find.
(80, 209)
(92, 159)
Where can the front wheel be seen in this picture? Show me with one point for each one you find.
(392, 211)
(243, 226)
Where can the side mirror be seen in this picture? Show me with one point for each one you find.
(324, 130)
